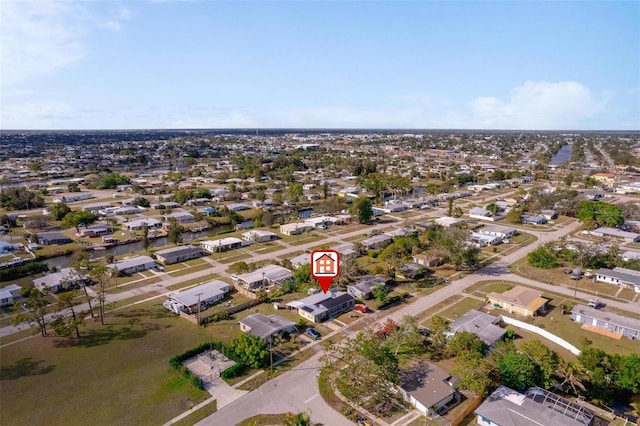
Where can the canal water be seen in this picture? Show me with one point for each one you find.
(64, 261)
(562, 156)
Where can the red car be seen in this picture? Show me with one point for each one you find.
(361, 307)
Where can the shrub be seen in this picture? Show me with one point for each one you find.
(22, 271)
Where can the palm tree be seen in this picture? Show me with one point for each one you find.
(572, 374)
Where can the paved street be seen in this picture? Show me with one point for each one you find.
(276, 397)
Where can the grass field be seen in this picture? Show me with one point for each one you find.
(109, 367)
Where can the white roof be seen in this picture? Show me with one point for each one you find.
(274, 273)
(52, 280)
(6, 292)
(222, 242)
(132, 262)
(205, 291)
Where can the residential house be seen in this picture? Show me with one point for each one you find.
(630, 255)
(9, 294)
(413, 271)
(549, 214)
(483, 240)
(429, 388)
(164, 205)
(605, 179)
(180, 217)
(237, 207)
(533, 220)
(377, 242)
(427, 260)
(346, 251)
(450, 222)
(295, 228)
(52, 238)
(498, 231)
(133, 264)
(267, 327)
(620, 276)
(266, 276)
(223, 244)
(94, 231)
(605, 322)
(206, 294)
(401, 232)
(259, 236)
(520, 301)
(64, 279)
(322, 306)
(481, 213)
(618, 234)
(301, 259)
(363, 287)
(396, 208)
(120, 211)
(139, 224)
(178, 254)
(506, 407)
(72, 196)
(96, 207)
(480, 323)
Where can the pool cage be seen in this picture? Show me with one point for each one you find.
(560, 405)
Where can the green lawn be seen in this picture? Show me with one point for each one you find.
(190, 270)
(461, 307)
(121, 370)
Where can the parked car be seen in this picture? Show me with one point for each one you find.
(361, 307)
(588, 273)
(596, 303)
(313, 333)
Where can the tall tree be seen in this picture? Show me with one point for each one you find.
(102, 275)
(145, 237)
(58, 210)
(33, 311)
(67, 301)
(517, 370)
(174, 232)
(75, 219)
(362, 209)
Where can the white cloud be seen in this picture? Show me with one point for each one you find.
(539, 105)
(39, 37)
(115, 24)
(35, 115)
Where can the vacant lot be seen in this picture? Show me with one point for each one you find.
(103, 372)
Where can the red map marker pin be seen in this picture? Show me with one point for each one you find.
(325, 266)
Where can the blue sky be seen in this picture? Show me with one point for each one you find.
(384, 64)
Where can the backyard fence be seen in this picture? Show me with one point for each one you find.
(544, 333)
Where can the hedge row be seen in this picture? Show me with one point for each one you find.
(234, 371)
(22, 271)
(393, 299)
